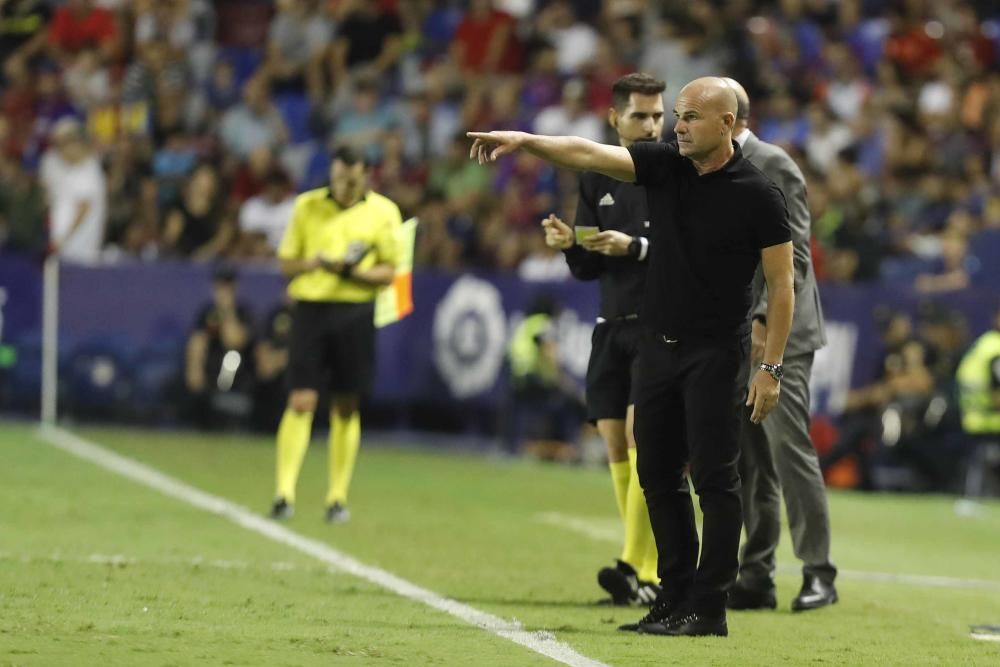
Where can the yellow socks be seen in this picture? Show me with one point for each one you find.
(640, 548)
(619, 479)
(293, 440)
(345, 438)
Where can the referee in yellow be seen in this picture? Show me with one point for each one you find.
(338, 250)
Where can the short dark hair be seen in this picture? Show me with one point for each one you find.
(349, 156)
(636, 82)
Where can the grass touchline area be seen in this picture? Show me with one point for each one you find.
(509, 539)
(543, 643)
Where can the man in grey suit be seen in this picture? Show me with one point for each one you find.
(777, 455)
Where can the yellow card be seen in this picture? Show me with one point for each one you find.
(584, 232)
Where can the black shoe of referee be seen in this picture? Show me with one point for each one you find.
(337, 513)
(281, 510)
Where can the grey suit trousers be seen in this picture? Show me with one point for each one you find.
(777, 457)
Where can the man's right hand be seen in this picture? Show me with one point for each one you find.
(558, 234)
(488, 146)
(758, 336)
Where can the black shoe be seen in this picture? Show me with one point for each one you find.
(742, 596)
(621, 582)
(281, 510)
(337, 513)
(689, 624)
(814, 594)
(659, 612)
(648, 592)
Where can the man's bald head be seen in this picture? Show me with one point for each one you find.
(742, 100)
(713, 92)
(706, 115)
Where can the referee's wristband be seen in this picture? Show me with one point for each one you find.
(638, 248)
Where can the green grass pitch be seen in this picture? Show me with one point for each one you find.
(96, 569)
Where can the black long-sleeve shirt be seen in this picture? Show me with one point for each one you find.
(609, 204)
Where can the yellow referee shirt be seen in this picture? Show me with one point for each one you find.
(320, 227)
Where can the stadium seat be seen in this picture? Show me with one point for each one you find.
(97, 380)
(155, 376)
(245, 61)
(295, 110)
(985, 247)
(316, 172)
(23, 381)
(904, 270)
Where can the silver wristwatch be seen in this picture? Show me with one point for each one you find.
(777, 371)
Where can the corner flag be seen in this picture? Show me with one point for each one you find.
(395, 301)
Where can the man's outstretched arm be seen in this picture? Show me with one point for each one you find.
(567, 152)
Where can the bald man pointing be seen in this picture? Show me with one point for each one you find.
(713, 219)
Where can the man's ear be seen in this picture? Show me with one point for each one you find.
(613, 117)
(729, 121)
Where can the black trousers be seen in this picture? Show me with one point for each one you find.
(687, 413)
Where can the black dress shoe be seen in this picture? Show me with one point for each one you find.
(690, 624)
(814, 594)
(742, 597)
(659, 612)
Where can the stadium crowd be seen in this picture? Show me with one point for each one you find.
(190, 125)
(205, 118)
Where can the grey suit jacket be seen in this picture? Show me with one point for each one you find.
(808, 332)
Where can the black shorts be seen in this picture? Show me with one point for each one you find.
(332, 347)
(614, 350)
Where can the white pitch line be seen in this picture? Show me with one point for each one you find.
(598, 532)
(542, 642)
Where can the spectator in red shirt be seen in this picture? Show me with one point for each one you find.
(911, 48)
(78, 25)
(17, 105)
(251, 176)
(485, 41)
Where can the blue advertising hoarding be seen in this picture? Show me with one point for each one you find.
(450, 350)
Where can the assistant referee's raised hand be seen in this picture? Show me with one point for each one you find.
(488, 146)
(763, 395)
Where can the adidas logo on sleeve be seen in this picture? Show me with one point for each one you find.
(607, 200)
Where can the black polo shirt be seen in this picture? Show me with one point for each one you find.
(609, 204)
(706, 234)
